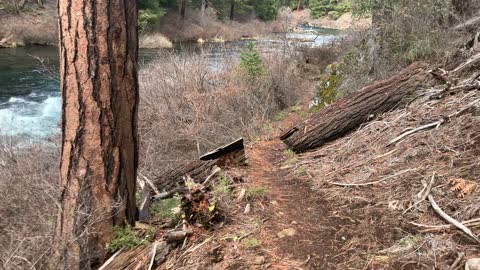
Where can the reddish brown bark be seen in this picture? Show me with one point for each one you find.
(99, 85)
(350, 112)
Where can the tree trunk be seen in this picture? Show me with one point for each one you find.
(350, 112)
(232, 10)
(183, 7)
(40, 3)
(99, 85)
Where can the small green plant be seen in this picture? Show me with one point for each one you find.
(280, 116)
(301, 170)
(167, 208)
(126, 237)
(251, 62)
(148, 17)
(327, 89)
(291, 156)
(222, 187)
(251, 243)
(255, 193)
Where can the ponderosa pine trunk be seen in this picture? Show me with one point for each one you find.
(99, 85)
(232, 10)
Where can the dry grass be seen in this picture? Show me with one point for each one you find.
(37, 27)
(187, 108)
(396, 174)
(210, 28)
(28, 181)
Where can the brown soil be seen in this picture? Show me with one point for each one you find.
(334, 227)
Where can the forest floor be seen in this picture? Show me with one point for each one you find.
(353, 204)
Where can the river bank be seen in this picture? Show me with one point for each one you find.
(39, 27)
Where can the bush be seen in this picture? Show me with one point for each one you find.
(250, 61)
(334, 15)
(125, 237)
(204, 108)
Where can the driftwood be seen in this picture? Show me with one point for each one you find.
(231, 154)
(350, 112)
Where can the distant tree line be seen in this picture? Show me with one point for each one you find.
(152, 10)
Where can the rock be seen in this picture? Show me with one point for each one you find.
(176, 236)
(259, 260)
(287, 232)
(242, 194)
(473, 264)
(247, 209)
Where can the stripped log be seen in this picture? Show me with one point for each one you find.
(139, 257)
(232, 154)
(350, 112)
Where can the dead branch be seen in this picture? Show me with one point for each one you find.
(469, 63)
(423, 193)
(373, 182)
(467, 23)
(451, 220)
(457, 261)
(435, 124)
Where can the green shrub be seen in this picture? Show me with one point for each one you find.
(334, 15)
(167, 208)
(327, 89)
(251, 62)
(255, 193)
(333, 8)
(221, 188)
(148, 17)
(126, 237)
(251, 243)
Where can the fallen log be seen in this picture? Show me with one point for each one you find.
(350, 112)
(231, 154)
(140, 257)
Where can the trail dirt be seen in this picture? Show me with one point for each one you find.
(303, 230)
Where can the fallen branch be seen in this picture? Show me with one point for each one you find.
(467, 23)
(451, 220)
(468, 64)
(423, 194)
(154, 250)
(410, 132)
(457, 261)
(371, 183)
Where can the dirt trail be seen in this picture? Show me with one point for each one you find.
(294, 209)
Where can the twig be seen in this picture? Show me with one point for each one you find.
(110, 259)
(150, 183)
(451, 220)
(214, 172)
(457, 261)
(371, 183)
(192, 249)
(472, 223)
(423, 194)
(470, 62)
(427, 126)
(154, 250)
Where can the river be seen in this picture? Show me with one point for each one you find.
(30, 102)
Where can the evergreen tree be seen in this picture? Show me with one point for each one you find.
(251, 62)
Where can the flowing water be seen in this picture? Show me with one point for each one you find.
(30, 102)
